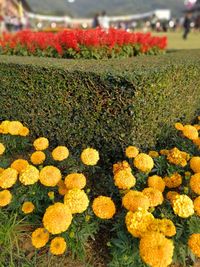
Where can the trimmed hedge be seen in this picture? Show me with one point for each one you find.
(107, 104)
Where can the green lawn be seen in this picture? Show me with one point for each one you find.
(175, 40)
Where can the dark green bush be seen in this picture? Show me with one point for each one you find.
(106, 104)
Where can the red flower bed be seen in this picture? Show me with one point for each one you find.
(94, 43)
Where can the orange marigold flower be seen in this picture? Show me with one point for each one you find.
(124, 165)
(164, 152)
(62, 189)
(156, 182)
(190, 132)
(177, 157)
(183, 206)
(143, 162)
(41, 143)
(171, 195)
(40, 237)
(75, 180)
(194, 244)
(103, 207)
(131, 152)
(8, 178)
(38, 157)
(5, 198)
(60, 153)
(14, 127)
(154, 195)
(175, 180)
(58, 246)
(28, 207)
(124, 179)
(76, 200)
(24, 131)
(156, 250)
(50, 176)
(153, 154)
(197, 205)
(90, 156)
(195, 164)
(195, 183)
(179, 126)
(134, 200)
(19, 165)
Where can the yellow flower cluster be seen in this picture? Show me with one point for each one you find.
(2, 149)
(19, 165)
(194, 244)
(183, 206)
(103, 207)
(124, 165)
(13, 128)
(143, 162)
(77, 200)
(5, 198)
(195, 164)
(154, 195)
(75, 181)
(177, 157)
(50, 176)
(124, 179)
(195, 183)
(164, 226)
(131, 152)
(156, 182)
(156, 250)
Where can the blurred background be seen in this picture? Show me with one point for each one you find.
(178, 19)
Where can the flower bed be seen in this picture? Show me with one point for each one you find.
(88, 44)
(154, 206)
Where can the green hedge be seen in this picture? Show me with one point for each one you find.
(107, 104)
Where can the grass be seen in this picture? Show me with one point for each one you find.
(175, 40)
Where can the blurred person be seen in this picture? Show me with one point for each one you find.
(186, 25)
(104, 21)
(95, 22)
(153, 22)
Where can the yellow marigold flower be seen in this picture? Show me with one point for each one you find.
(153, 154)
(195, 183)
(57, 218)
(19, 165)
(28, 207)
(58, 246)
(76, 200)
(75, 180)
(41, 143)
(154, 195)
(2, 149)
(197, 142)
(171, 196)
(190, 132)
(156, 182)
(175, 180)
(195, 164)
(103, 207)
(124, 165)
(156, 250)
(124, 179)
(1, 170)
(131, 152)
(14, 127)
(5, 198)
(134, 200)
(167, 227)
(62, 189)
(90, 156)
(4, 127)
(24, 131)
(50, 176)
(183, 206)
(38, 157)
(40, 237)
(29, 176)
(138, 222)
(164, 152)
(179, 126)
(60, 153)
(8, 178)
(143, 162)
(197, 205)
(177, 157)
(194, 244)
